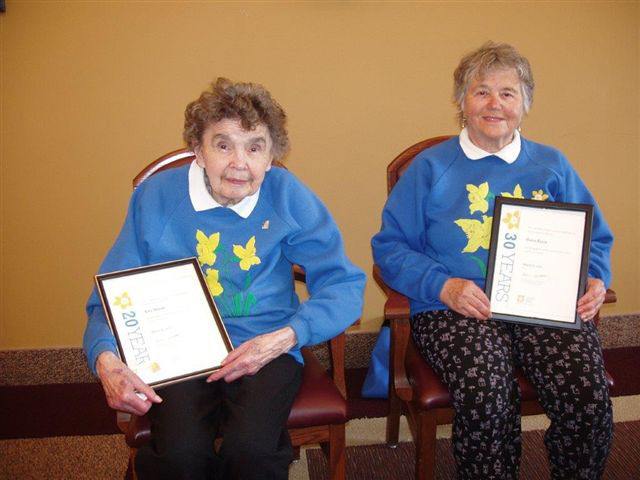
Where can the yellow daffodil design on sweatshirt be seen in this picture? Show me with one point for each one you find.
(206, 247)
(539, 195)
(228, 282)
(478, 230)
(247, 254)
(517, 193)
(478, 198)
(213, 282)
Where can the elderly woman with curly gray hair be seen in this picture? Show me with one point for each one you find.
(433, 247)
(247, 223)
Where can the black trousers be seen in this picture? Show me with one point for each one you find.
(476, 360)
(250, 413)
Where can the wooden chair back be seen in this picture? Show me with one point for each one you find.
(399, 164)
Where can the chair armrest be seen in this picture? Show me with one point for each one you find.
(397, 305)
(136, 429)
(610, 296)
(335, 345)
(400, 332)
(377, 276)
(122, 420)
(336, 356)
(299, 275)
(396, 312)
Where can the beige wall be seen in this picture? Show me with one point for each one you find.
(92, 91)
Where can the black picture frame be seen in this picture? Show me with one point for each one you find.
(499, 233)
(217, 322)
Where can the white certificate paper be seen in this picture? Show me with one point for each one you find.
(165, 322)
(538, 261)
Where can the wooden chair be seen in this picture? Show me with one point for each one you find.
(319, 411)
(414, 388)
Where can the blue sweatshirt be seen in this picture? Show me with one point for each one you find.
(436, 223)
(247, 262)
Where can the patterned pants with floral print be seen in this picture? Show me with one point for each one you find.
(476, 360)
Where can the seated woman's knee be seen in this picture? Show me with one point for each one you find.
(175, 460)
(242, 447)
(488, 396)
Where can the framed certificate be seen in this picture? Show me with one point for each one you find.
(167, 326)
(538, 261)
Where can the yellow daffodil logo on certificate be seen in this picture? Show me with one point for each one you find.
(123, 301)
(512, 220)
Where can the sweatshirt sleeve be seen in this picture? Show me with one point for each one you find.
(125, 253)
(335, 285)
(575, 191)
(400, 248)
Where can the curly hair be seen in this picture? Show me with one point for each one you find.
(491, 56)
(249, 103)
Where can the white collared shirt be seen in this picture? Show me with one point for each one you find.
(508, 153)
(202, 200)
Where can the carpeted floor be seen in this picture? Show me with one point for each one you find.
(90, 457)
(384, 463)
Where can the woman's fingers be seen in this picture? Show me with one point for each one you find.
(254, 354)
(592, 300)
(465, 297)
(121, 386)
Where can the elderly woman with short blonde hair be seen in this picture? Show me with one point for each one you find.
(433, 247)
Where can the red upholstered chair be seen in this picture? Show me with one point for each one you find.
(414, 388)
(319, 412)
